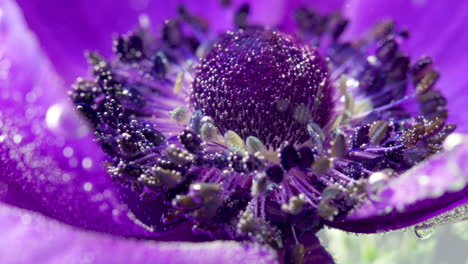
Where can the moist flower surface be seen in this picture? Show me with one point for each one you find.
(261, 133)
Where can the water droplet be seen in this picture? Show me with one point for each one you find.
(377, 182)
(53, 116)
(66, 177)
(115, 212)
(87, 163)
(67, 152)
(423, 232)
(352, 83)
(144, 21)
(17, 138)
(87, 186)
(60, 118)
(424, 180)
(453, 140)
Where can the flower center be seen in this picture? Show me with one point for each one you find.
(265, 84)
(267, 88)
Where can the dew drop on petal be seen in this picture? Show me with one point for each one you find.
(87, 163)
(17, 138)
(453, 140)
(423, 232)
(423, 180)
(66, 177)
(377, 182)
(53, 116)
(60, 118)
(68, 152)
(87, 186)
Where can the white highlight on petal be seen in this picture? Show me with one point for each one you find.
(144, 21)
(68, 152)
(352, 83)
(372, 60)
(53, 116)
(423, 180)
(87, 163)
(453, 140)
(17, 138)
(66, 177)
(88, 186)
(62, 119)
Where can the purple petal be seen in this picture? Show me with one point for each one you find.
(31, 238)
(48, 160)
(66, 29)
(437, 29)
(427, 190)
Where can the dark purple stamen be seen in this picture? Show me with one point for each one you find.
(129, 49)
(191, 141)
(289, 157)
(306, 158)
(240, 17)
(275, 173)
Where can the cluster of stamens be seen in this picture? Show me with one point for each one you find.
(262, 135)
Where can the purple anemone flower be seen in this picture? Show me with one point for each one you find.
(226, 131)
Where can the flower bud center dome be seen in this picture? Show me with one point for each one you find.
(263, 83)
